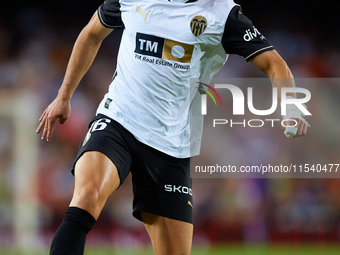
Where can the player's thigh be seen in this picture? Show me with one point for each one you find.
(96, 177)
(168, 236)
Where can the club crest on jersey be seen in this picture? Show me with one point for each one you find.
(198, 24)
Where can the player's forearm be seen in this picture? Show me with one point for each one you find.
(83, 54)
(275, 67)
(280, 76)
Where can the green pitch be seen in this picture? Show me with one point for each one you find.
(218, 250)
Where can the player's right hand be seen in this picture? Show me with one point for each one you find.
(296, 125)
(58, 109)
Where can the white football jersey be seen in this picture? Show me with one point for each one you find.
(166, 48)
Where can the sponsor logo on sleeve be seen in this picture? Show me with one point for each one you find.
(251, 35)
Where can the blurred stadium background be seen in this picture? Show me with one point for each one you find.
(238, 216)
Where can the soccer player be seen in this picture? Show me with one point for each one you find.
(142, 125)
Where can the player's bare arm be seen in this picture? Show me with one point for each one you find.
(84, 51)
(275, 67)
(271, 63)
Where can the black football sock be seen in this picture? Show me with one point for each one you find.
(71, 235)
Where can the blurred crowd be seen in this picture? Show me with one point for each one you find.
(34, 50)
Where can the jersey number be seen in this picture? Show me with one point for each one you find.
(98, 125)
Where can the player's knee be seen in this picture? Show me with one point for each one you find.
(90, 194)
(89, 198)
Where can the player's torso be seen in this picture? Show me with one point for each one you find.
(173, 34)
(163, 46)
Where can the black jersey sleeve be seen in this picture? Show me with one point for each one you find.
(241, 37)
(110, 15)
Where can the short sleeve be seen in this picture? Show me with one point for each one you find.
(110, 15)
(241, 36)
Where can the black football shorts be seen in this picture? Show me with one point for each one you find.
(161, 183)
